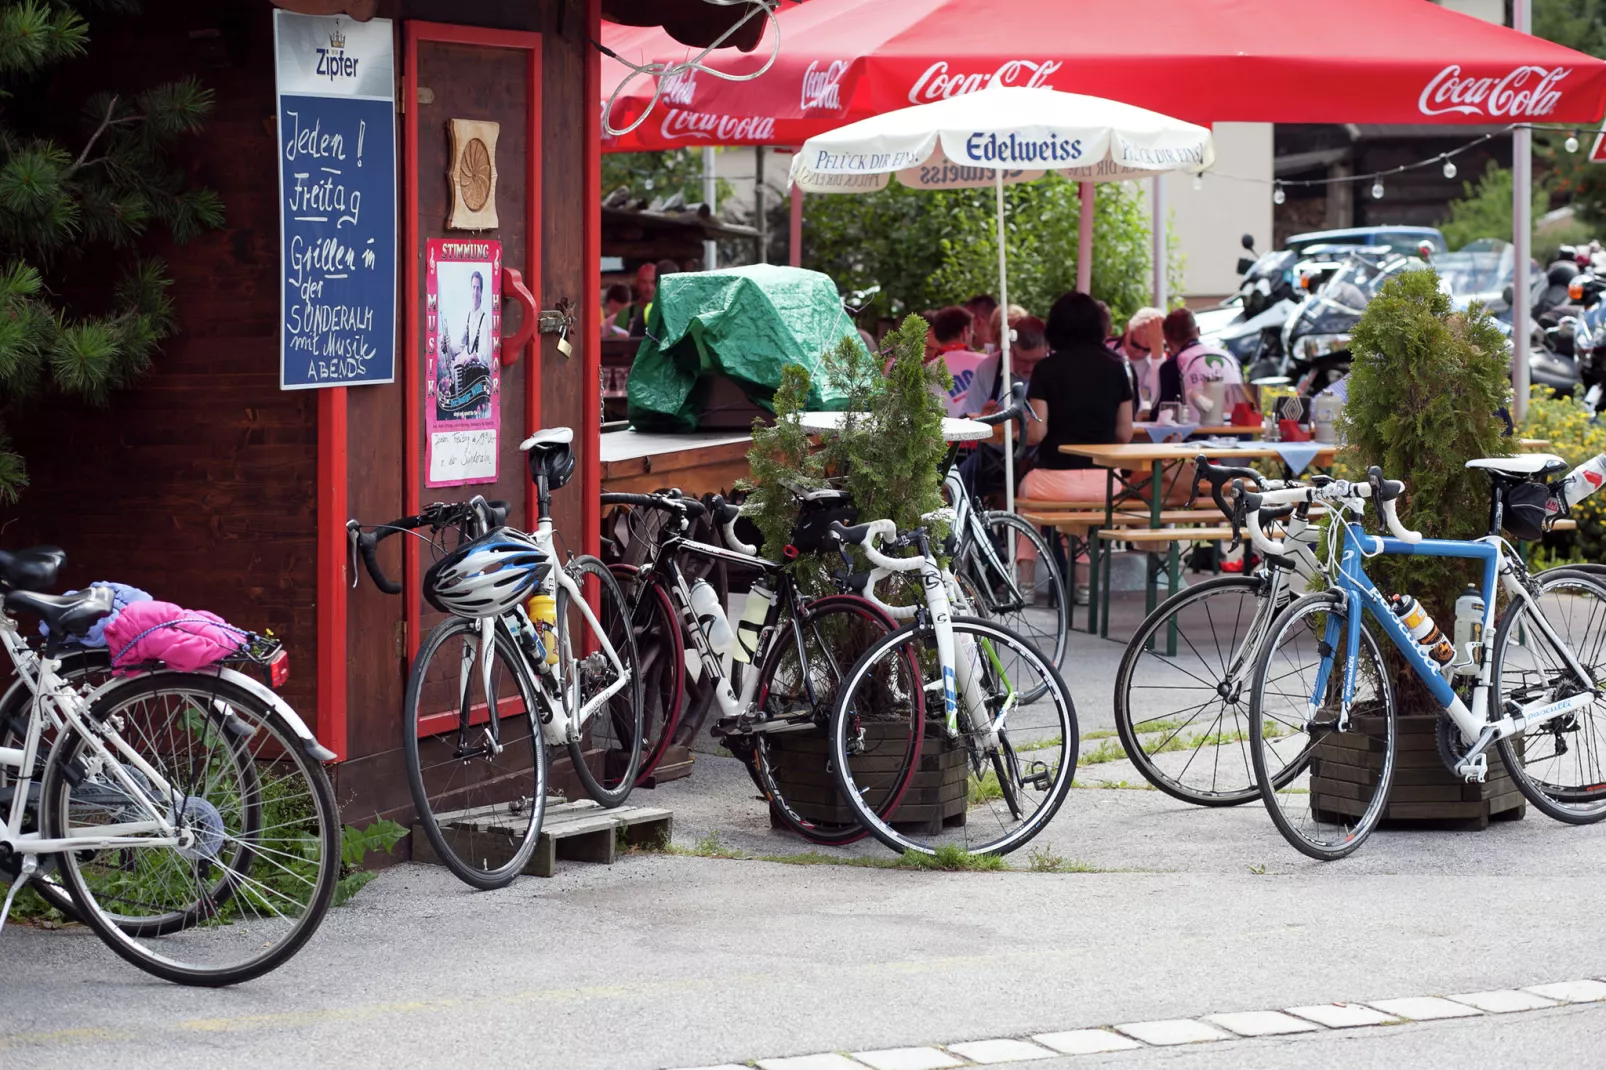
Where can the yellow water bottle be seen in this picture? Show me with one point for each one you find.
(543, 610)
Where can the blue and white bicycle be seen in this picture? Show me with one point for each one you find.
(1530, 685)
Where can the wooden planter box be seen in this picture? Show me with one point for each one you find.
(1345, 767)
(938, 794)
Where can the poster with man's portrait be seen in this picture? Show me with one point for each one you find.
(462, 365)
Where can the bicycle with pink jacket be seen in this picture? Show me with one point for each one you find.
(151, 786)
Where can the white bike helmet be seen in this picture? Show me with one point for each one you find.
(486, 577)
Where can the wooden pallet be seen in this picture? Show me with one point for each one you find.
(578, 831)
(1345, 766)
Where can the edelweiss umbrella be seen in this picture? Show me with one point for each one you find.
(998, 136)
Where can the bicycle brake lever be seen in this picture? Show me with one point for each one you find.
(353, 533)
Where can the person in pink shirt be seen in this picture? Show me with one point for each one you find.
(950, 340)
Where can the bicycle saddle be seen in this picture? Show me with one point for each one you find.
(33, 569)
(64, 614)
(1527, 466)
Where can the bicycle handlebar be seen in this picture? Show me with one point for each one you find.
(1384, 492)
(669, 501)
(865, 536)
(1017, 406)
(490, 514)
(726, 515)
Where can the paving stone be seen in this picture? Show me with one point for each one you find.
(907, 1059)
(1425, 1008)
(1172, 1031)
(1086, 1041)
(1571, 991)
(828, 1060)
(1504, 1001)
(1002, 1050)
(1261, 1023)
(1342, 1015)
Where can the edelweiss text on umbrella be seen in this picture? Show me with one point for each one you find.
(1016, 149)
(937, 84)
(1525, 92)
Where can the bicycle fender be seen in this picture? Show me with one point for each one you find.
(309, 743)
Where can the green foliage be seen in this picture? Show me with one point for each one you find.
(891, 460)
(782, 462)
(1423, 390)
(659, 176)
(1484, 209)
(76, 198)
(1569, 425)
(1578, 24)
(887, 455)
(930, 248)
(355, 844)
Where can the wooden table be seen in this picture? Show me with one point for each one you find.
(1135, 455)
(698, 463)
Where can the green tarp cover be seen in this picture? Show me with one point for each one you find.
(746, 323)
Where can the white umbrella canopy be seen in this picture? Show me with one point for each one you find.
(1000, 136)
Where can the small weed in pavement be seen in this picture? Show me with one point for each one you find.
(1114, 785)
(951, 857)
(1107, 751)
(1042, 860)
(1258, 869)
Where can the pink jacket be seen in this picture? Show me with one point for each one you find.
(185, 639)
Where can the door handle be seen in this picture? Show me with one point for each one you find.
(513, 288)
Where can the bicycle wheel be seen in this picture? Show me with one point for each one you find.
(1183, 717)
(793, 767)
(602, 701)
(479, 786)
(77, 667)
(256, 868)
(662, 650)
(1030, 599)
(1559, 765)
(1321, 811)
(978, 790)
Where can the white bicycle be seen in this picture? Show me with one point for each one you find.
(185, 817)
(531, 654)
(997, 765)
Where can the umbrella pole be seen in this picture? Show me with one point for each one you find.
(1003, 342)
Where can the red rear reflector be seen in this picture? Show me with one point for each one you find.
(279, 669)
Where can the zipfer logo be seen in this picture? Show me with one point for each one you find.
(1526, 92)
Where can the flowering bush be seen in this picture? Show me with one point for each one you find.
(1575, 436)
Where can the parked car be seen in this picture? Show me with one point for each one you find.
(1397, 239)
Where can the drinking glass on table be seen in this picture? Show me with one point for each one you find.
(1170, 413)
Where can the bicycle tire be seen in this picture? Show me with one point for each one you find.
(1165, 677)
(1574, 804)
(15, 703)
(1001, 597)
(301, 823)
(926, 826)
(1285, 798)
(662, 649)
(904, 748)
(430, 754)
(615, 729)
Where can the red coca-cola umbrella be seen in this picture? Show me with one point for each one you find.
(1207, 61)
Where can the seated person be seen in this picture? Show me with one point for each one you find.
(1192, 364)
(983, 470)
(616, 311)
(949, 340)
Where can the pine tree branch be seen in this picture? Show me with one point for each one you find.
(106, 123)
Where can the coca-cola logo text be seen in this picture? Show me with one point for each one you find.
(680, 88)
(1527, 92)
(821, 85)
(939, 83)
(726, 129)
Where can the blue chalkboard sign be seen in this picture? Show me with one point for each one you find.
(337, 207)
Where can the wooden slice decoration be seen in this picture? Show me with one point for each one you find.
(473, 175)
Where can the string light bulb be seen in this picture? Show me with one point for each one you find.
(1198, 181)
(1377, 190)
(1571, 144)
(1277, 195)
(1449, 168)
